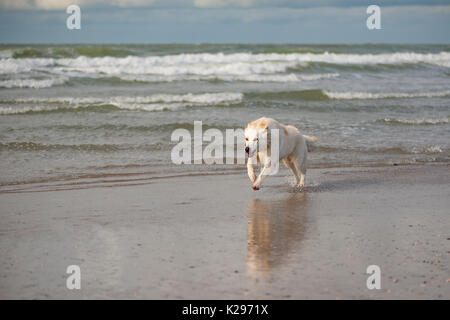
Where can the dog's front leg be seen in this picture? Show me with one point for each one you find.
(264, 173)
(251, 169)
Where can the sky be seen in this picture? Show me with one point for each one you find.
(225, 21)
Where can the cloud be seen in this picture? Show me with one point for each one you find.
(53, 4)
(226, 3)
(48, 5)
(63, 4)
(310, 3)
(15, 4)
(131, 3)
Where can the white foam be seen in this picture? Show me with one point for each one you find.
(32, 83)
(123, 106)
(155, 102)
(428, 150)
(290, 77)
(11, 65)
(183, 66)
(152, 106)
(200, 64)
(200, 98)
(26, 109)
(318, 76)
(283, 77)
(384, 95)
(238, 64)
(418, 121)
(242, 61)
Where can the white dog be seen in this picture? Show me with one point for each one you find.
(293, 149)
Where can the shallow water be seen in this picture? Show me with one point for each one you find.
(68, 111)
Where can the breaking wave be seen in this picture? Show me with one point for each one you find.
(157, 102)
(33, 146)
(260, 67)
(435, 149)
(419, 121)
(32, 83)
(383, 95)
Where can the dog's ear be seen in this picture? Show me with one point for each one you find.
(263, 125)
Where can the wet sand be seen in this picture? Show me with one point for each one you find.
(212, 237)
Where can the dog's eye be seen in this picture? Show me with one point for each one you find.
(246, 139)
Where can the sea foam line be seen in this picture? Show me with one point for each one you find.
(290, 77)
(418, 121)
(156, 102)
(384, 95)
(32, 83)
(203, 98)
(213, 64)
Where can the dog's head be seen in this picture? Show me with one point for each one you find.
(255, 138)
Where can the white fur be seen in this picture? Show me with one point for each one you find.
(293, 150)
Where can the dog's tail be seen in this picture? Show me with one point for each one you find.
(310, 142)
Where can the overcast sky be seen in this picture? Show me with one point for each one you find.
(248, 21)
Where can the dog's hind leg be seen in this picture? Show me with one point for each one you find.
(300, 165)
(302, 178)
(291, 166)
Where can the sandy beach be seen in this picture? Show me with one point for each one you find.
(126, 128)
(212, 237)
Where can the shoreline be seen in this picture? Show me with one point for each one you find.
(113, 178)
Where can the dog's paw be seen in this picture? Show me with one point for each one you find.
(255, 187)
(293, 184)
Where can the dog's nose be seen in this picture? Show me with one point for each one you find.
(247, 149)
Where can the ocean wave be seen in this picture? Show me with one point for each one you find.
(383, 95)
(48, 108)
(243, 60)
(427, 150)
(211, 64)
(319, 94)
(284, 78)
(65, 51)
(384, 150)
(290, 77)
(201, 98)
(164, 127)
(101, 107)
(35, 146)
(295, 95)
(412, 150)
(147, 66)
(123, 51)
(32, 83)
(157, 102)
(419, 121)
(13, 66)
(202, 64)
(6, 53)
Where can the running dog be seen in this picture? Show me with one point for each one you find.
(293, 149)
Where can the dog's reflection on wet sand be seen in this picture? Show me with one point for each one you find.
(275, 230)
